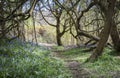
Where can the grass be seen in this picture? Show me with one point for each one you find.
(75, 54)
(107, 66)
(27, 60)
(57, 48)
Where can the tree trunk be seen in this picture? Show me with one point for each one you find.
(21, 27)
(103, 39)
(78, 30)
(109, 17)
(58, 34)
(22, 31)
(59, 42)
(3, 34)
(2, 22)
(115, 37)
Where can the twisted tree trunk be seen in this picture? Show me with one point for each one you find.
(108, 11)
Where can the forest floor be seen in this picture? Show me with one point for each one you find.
(74, 66)
(107, 66)
(52, 61)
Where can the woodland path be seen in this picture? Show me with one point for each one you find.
(73, 65)
(76, 68)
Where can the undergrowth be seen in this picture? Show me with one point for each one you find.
(27, 60)
(107, 66)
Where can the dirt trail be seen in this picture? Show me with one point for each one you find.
(74, 66)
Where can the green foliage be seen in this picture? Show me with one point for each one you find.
(106, 66)
(27, 60)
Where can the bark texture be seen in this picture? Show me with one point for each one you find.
(108, 10)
